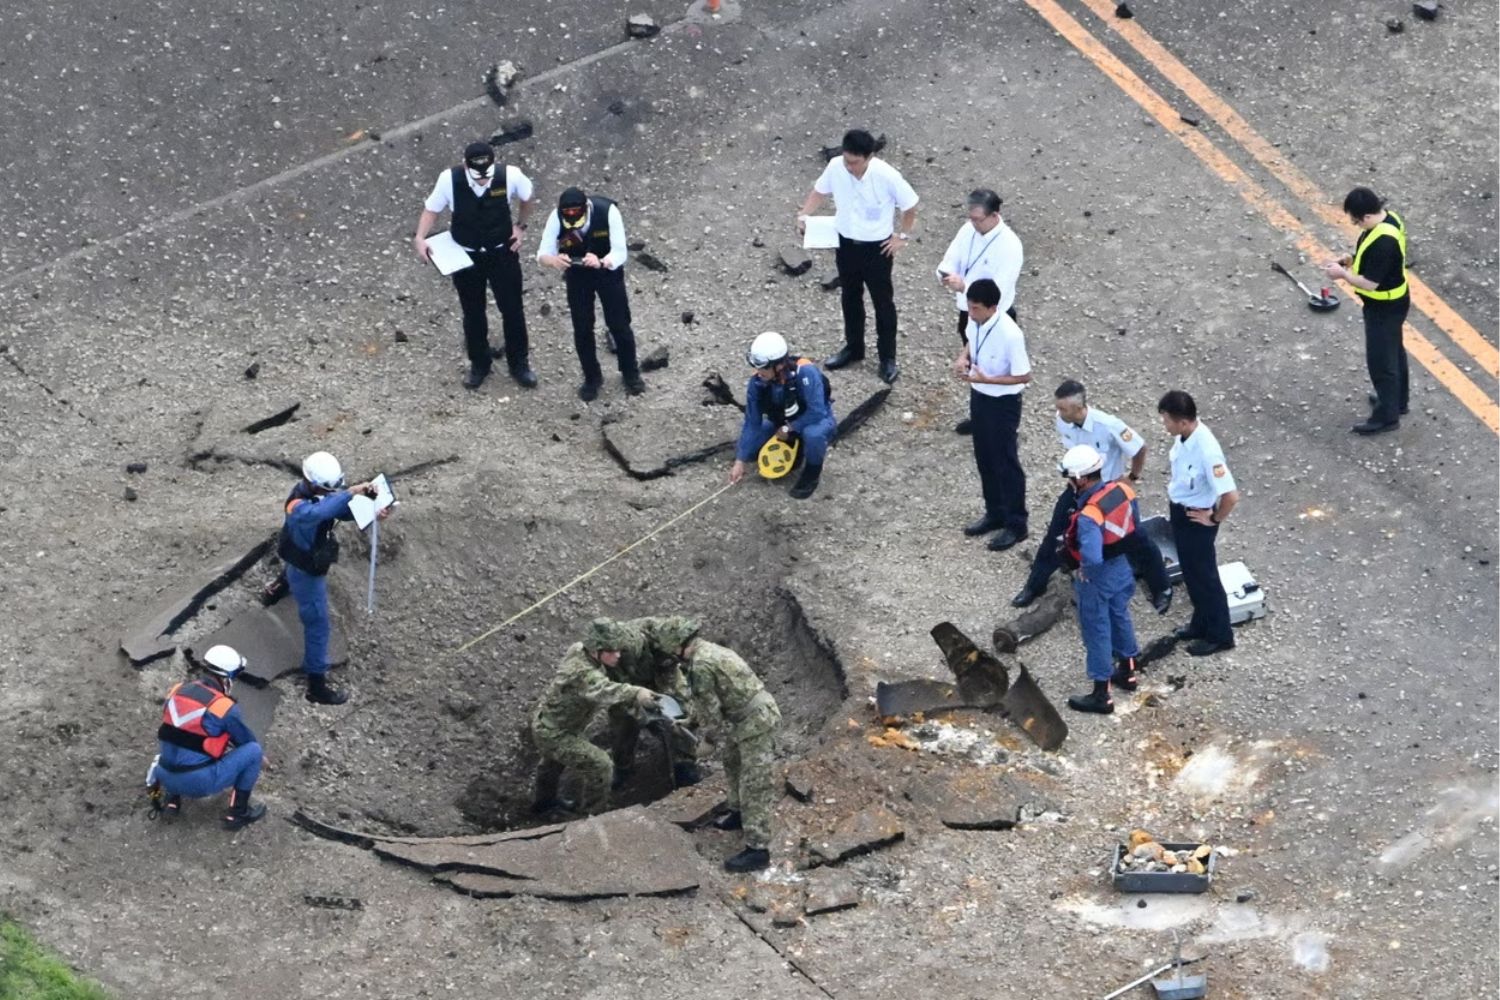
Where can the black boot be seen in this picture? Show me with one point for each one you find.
(685, 773)
(320, 692)
(1097, 701)
(807, 484)
(1162, 602)
(476, 377)
(241, 812)
(1027, 595)
(889, 371)
(634, 384)
(964, 426)
(751, 859)
(846, 355)
(1125, 676)
(524, 376)
(588, 391)
(275, 590)
(732, 820)
(172, 808)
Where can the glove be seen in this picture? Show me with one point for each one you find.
(645, 699)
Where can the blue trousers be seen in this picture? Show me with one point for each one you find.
(239, 768)
(311, 593)
(1104, 615)
(815, 439)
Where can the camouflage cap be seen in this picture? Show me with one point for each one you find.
(604, 634)
(677, 630)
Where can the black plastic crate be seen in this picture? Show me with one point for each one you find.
(1130, 880)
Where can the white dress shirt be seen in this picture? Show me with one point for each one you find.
(1108, 435)
(995, 255)
(1199, 473)
(517, 188)
(617, 254)
(864, 207)
(998, 348)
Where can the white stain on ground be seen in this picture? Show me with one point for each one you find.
(1459, 813)
(1310, 951)
(1216, 773)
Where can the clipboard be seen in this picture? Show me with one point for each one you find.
(820, 233)
(446, 255)
(364, 509)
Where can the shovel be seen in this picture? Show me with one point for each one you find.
(1324, 301)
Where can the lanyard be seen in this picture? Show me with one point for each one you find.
(974, 257)
(983, 334)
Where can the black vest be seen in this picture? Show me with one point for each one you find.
(325, 550)
(782, 401)
(481, 223)
(592, 238)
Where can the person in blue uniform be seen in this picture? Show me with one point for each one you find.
(309, 549)
(1202, 493)
(786, 398)
(1095, 546)
(205, 746)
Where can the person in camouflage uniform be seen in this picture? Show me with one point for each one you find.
(724, 691)
(647, 659)
(559, 723)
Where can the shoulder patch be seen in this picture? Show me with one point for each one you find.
(1220, 472)
(1127, 435)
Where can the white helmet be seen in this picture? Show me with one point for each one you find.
(223, 661)
(322, 470)
(1081, 460)
(767, 349)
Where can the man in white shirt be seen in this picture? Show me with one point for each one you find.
(479, 193)
(985, 247)
(1202, 493)
(585, 239)
(867, 192)
(994, 364)
(1116, 442)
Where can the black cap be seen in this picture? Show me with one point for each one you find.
(572, 198)
(479, 152)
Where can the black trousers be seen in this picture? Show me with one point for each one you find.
(584, 284)
(1144, 554)
(1385, 357)
(861, 266)
(500, 272)
(1200, 573)
(997, 422)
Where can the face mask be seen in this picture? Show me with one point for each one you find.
(480, 173)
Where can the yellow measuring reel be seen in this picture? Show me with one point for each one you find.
(777, 457)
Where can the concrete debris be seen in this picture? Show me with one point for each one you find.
(333, 902)
(1427, 10)
(646, 449)
(829, 892)
(860, 415)
(136, 468)
(620, 853)
(785, 913)
(865, 831)
(656, 360)
(282, 416)
(518, 130)
(641, 26)
(1186, 120)
(689, 807)
(400, 337)
(719, 392)
(1123, 11)
(971, 799)
(794, 260)
(505, 74)
(1032, 622)
(651, 262)
(687, 317)
(366, 841)
(257, 706)
(253, 370)
(152, 640)
(799, 781)
(130, 495)
(1395, 25)
(270, 640)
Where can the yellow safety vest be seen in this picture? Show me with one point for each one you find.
(1384, 229)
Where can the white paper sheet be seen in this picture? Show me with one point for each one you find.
(447, 256)
(364, 509)
(820, 233)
